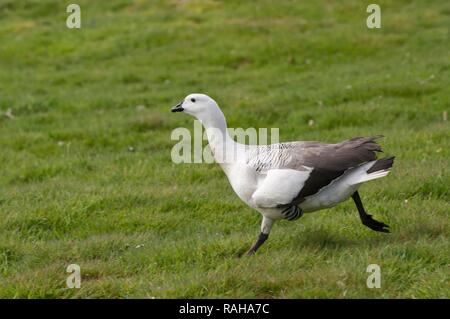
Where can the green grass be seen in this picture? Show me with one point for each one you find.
(141, 226)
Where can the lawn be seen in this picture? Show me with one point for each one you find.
(86, 174)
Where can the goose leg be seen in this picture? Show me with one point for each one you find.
(266, 226)
(367, 219)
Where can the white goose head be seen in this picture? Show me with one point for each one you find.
(201, 107)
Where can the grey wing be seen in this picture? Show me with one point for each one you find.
(326, 161)
(279, 156)
(330, 161)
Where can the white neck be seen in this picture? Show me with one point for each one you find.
(225, 149)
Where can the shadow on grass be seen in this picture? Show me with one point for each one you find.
(322, 239)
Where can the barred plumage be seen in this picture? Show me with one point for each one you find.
(292, 213)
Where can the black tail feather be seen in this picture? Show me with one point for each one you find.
(382, 164)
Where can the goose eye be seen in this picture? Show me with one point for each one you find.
(193, 100)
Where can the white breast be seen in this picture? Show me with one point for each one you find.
(243, 180)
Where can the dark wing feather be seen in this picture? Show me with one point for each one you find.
(329, 161)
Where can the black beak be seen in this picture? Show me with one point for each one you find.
(178, 107)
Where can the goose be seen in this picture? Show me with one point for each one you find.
(286, 180)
